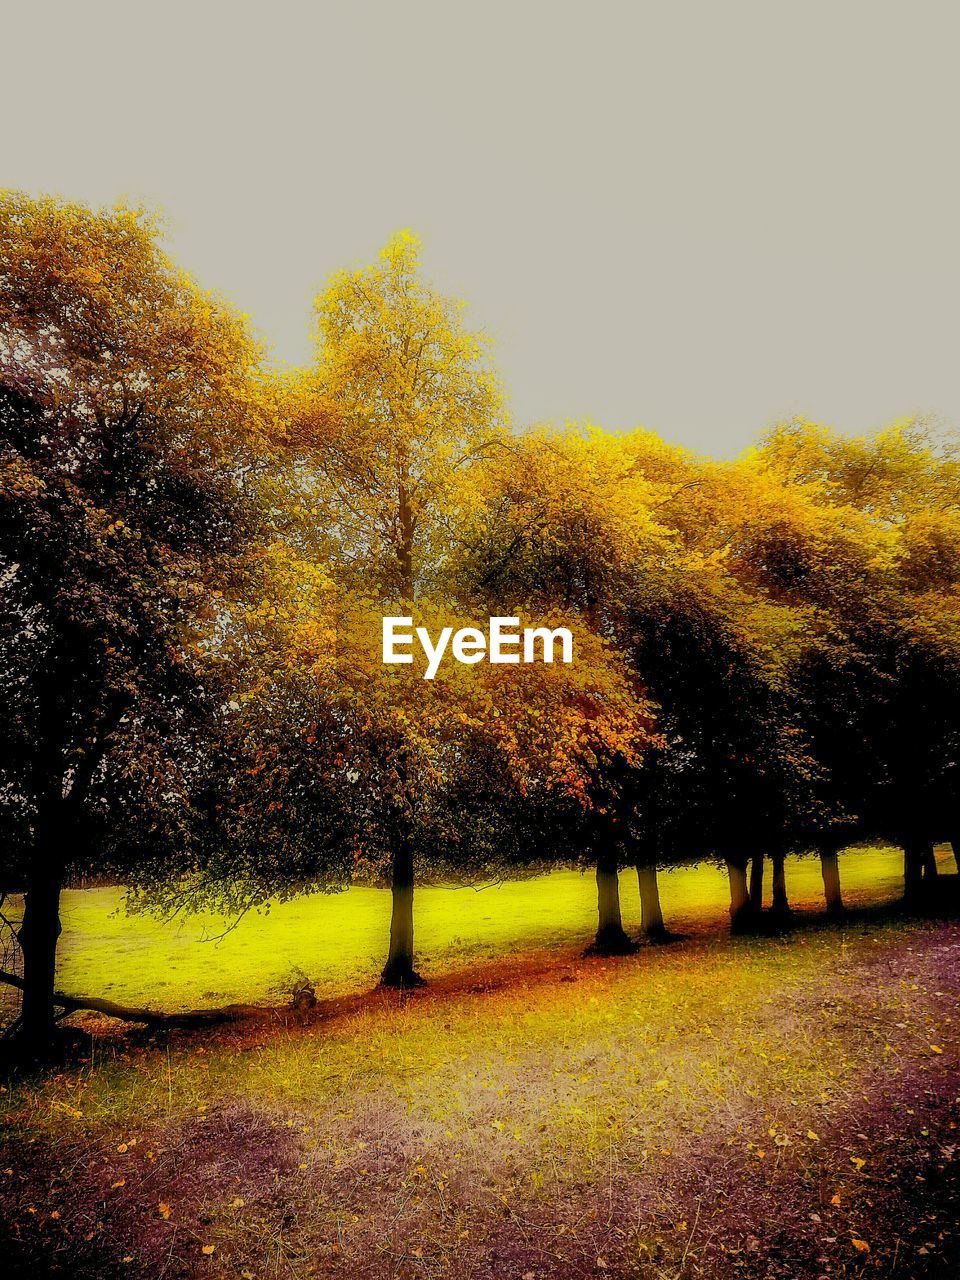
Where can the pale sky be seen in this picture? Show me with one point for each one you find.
(696, 217)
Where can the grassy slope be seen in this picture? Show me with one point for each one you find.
(339, 940)
(718, 1108)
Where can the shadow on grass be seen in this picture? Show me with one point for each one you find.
(938, 899)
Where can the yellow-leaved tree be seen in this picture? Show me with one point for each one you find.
(397, 410)
(132, 404)
(391, 434)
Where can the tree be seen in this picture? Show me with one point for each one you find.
(569, 517)
(392, 433)
(733, 772)
(879, 560)
(398, 405)
(388, 424)
(129, 402)
(636, 537)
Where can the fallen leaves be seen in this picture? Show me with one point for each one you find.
(609, 1104)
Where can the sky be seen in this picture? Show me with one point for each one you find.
(699, 218)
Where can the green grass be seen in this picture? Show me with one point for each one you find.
(339, 940)
(657, 1117)
(647, 1118)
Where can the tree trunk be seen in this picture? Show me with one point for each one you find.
(740, 913)
(781, 904)
(651, 914)
(756, 884)
(929, 862)
(405, 519)
(830, 869)
(399, 970)
(38, 935)
(955, 845)
(912, 870)
(611, 939)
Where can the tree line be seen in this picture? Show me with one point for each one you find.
(197, 549)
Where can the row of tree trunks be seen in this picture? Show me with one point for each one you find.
(612, 938)
(746, 899)
(40, 929)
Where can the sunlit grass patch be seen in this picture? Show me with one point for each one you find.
(339, 939)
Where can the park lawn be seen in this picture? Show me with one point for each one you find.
(339, 940)
(755, 1107)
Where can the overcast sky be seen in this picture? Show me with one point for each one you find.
(699, 218)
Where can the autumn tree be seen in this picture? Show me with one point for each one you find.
(334, 765)
(129, 406)
(625, 530)
(877, 557)
(390, 433)
(396, 411)
(570, 516)
(398, 408)
(274, 814)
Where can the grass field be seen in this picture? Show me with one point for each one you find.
(339, 940)
(759, 1107)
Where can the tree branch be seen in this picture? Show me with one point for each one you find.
(126, 1013)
